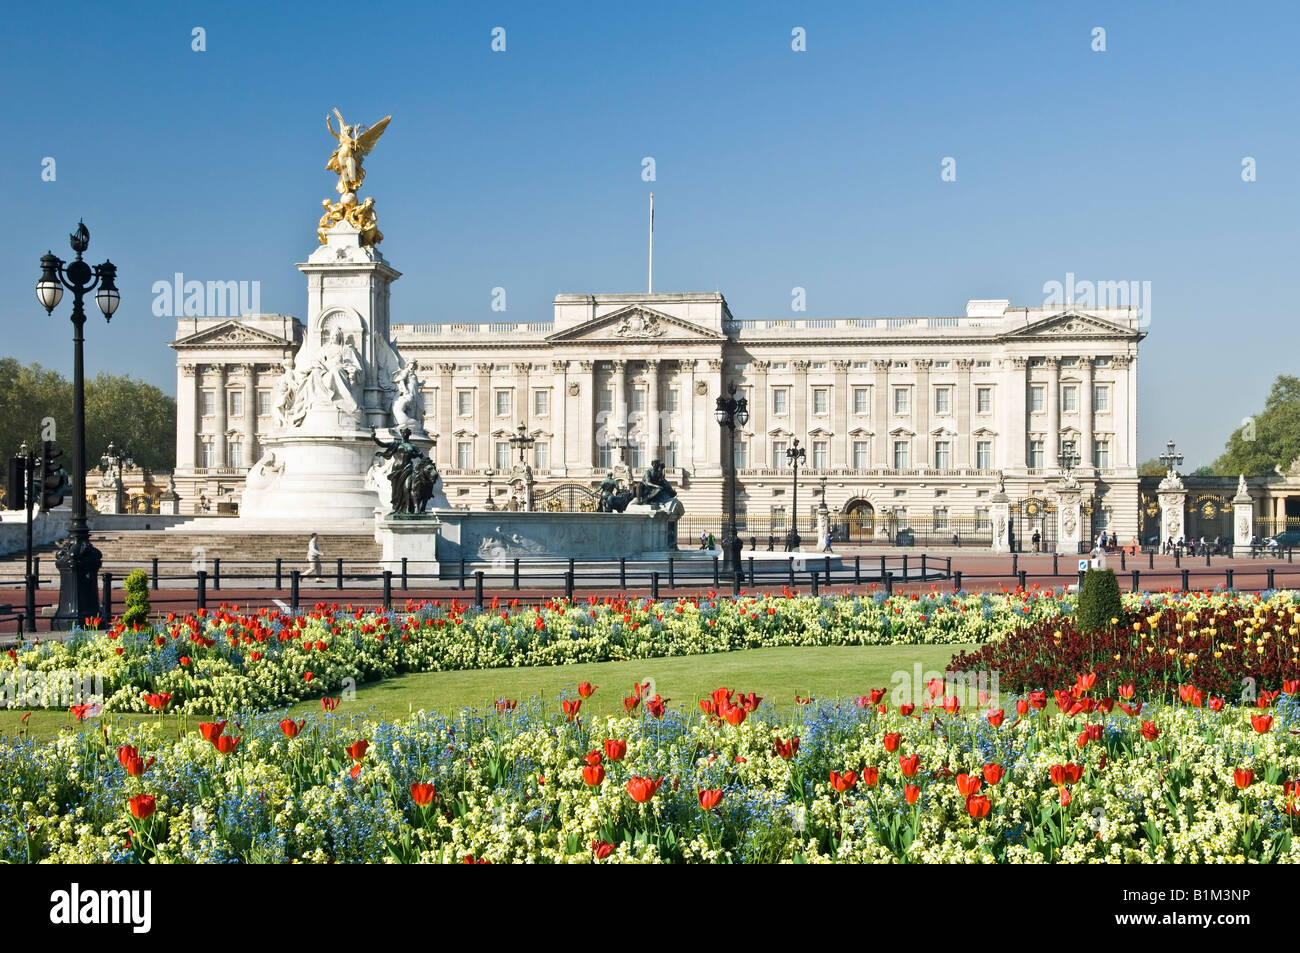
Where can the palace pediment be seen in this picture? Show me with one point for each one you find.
(636, 324)
(232, 334)
(1073, 324)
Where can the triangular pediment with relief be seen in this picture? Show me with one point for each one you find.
(232, 334)
(636, 323)
(1074, 324)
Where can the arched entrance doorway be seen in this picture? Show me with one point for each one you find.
(860, 522)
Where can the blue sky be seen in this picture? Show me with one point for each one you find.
(775, 169)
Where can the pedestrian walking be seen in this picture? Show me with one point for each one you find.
(314, 557)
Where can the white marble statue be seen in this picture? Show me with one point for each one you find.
(333, 382)
(408, 406)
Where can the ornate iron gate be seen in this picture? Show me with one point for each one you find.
(1033, 514)
(566, 498)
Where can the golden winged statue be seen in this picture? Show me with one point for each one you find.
(354, 144)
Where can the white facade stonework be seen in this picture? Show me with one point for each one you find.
(909, 416)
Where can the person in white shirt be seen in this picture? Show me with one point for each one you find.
(314, 557)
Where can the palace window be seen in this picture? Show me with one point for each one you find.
(984, 400)
(821, 459)
(464, 455)
(983, 363)
(861, 455)
(503, 455)
(542, 455)
(463, 368)
(1101, 398)
(779, 460)
(503, 403)
(901, 449)
(821, 400)
(604, 456)
(983, 454)
(638, 400)
(209, 454)
(606, 398)
(940, 364)
(670, 453)
(1069, 399)
(465, 403)
(861, 400)
(943, 400)
(901, 401)
(1037, 399)
(1036, 454)
(541, 403)
(236, 452)
(264, 403)
(780, 401)
(982, 518)
(940, 519)
(860, 365)
(942, 454)
(236, 403)
(819, 365)
(208, 400)
(1101, 453)
(672, 400)
(899, 494)
(742, 453)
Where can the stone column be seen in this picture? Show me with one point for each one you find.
(445, 415)
(922, 455)
(799, 403)
(758, 414)
(1052, 448)
(1243, 519)
(1173, 499)
(654, 439)
(618, 424)
(880, 414)
(1086, 410)
(187, 415)
(1017, 419)
(840, 415)
(523, 394)
(587, 404)
(964, 452)
(250, 415)
(483, 417)
(220, 457)
(713, 443)
(559, 413)
(689, 406)
(1124, 398)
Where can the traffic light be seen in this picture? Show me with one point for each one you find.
(54, 479)
(15, 489)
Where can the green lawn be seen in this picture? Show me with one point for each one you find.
(776, 674)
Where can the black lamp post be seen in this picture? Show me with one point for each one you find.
(116, 457)
(77, 560)
(796, 455)
(1067, 459)
(522, 442)
(1171, 458)
(491, 503)
(731, 410)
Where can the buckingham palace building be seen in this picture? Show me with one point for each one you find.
(907, 422)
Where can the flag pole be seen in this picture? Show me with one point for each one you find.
(650, 280)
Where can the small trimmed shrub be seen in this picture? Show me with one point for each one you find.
(1099, 601)
(137, 599)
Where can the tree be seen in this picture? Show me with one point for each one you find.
(128, 412)
(1270, 438)
(1152, 467)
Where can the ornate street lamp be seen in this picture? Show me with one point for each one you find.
(490, 504)
(77, 560)
(1067, 460)
(523, 442)
(729, 412)
(1171, 458)
(796, 455)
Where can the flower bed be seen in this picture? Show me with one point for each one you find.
(854, 781)
(227, 660)
(1226, 645)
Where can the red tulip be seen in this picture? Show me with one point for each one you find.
(870, 776)
(709, 799)
(749, 701)
(1065, 797)
(291, 727)
(329, 704)
(978, 806)
(1215, 704)
(142, 806)
(1291, 686)
(934, 686)
(211, 730)
(504, 705)
(571, 709)
(615, 750)
(707, 706)
(593, 774)
(422, 794)
(126, 752)
(1064, 700)
(910, 793)
(995, 717)
(593, 757)
(993, 773)
(1126, 691)
(585, 689)
(1262, 723)
(891, 741)
(631, 701)
(787, 749)
(1131, 710)
(1149, 731)
(602, 849)
(158, 702)
(734, 714)
(909, 764)
(657, 706)
(720, 695)
(906, 709)
(1106, 704)
(1063, 774)
(135, 767)
(1038, 699)
(950, 705)
(842, 782)
(226, 744)
(1022, 707)
(1084, 683)
(357, 750)
(1243, 777)
(642, 789)
(968, 784)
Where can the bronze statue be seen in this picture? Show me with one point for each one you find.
(654, 487)
(413, 476)
(612, 499)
